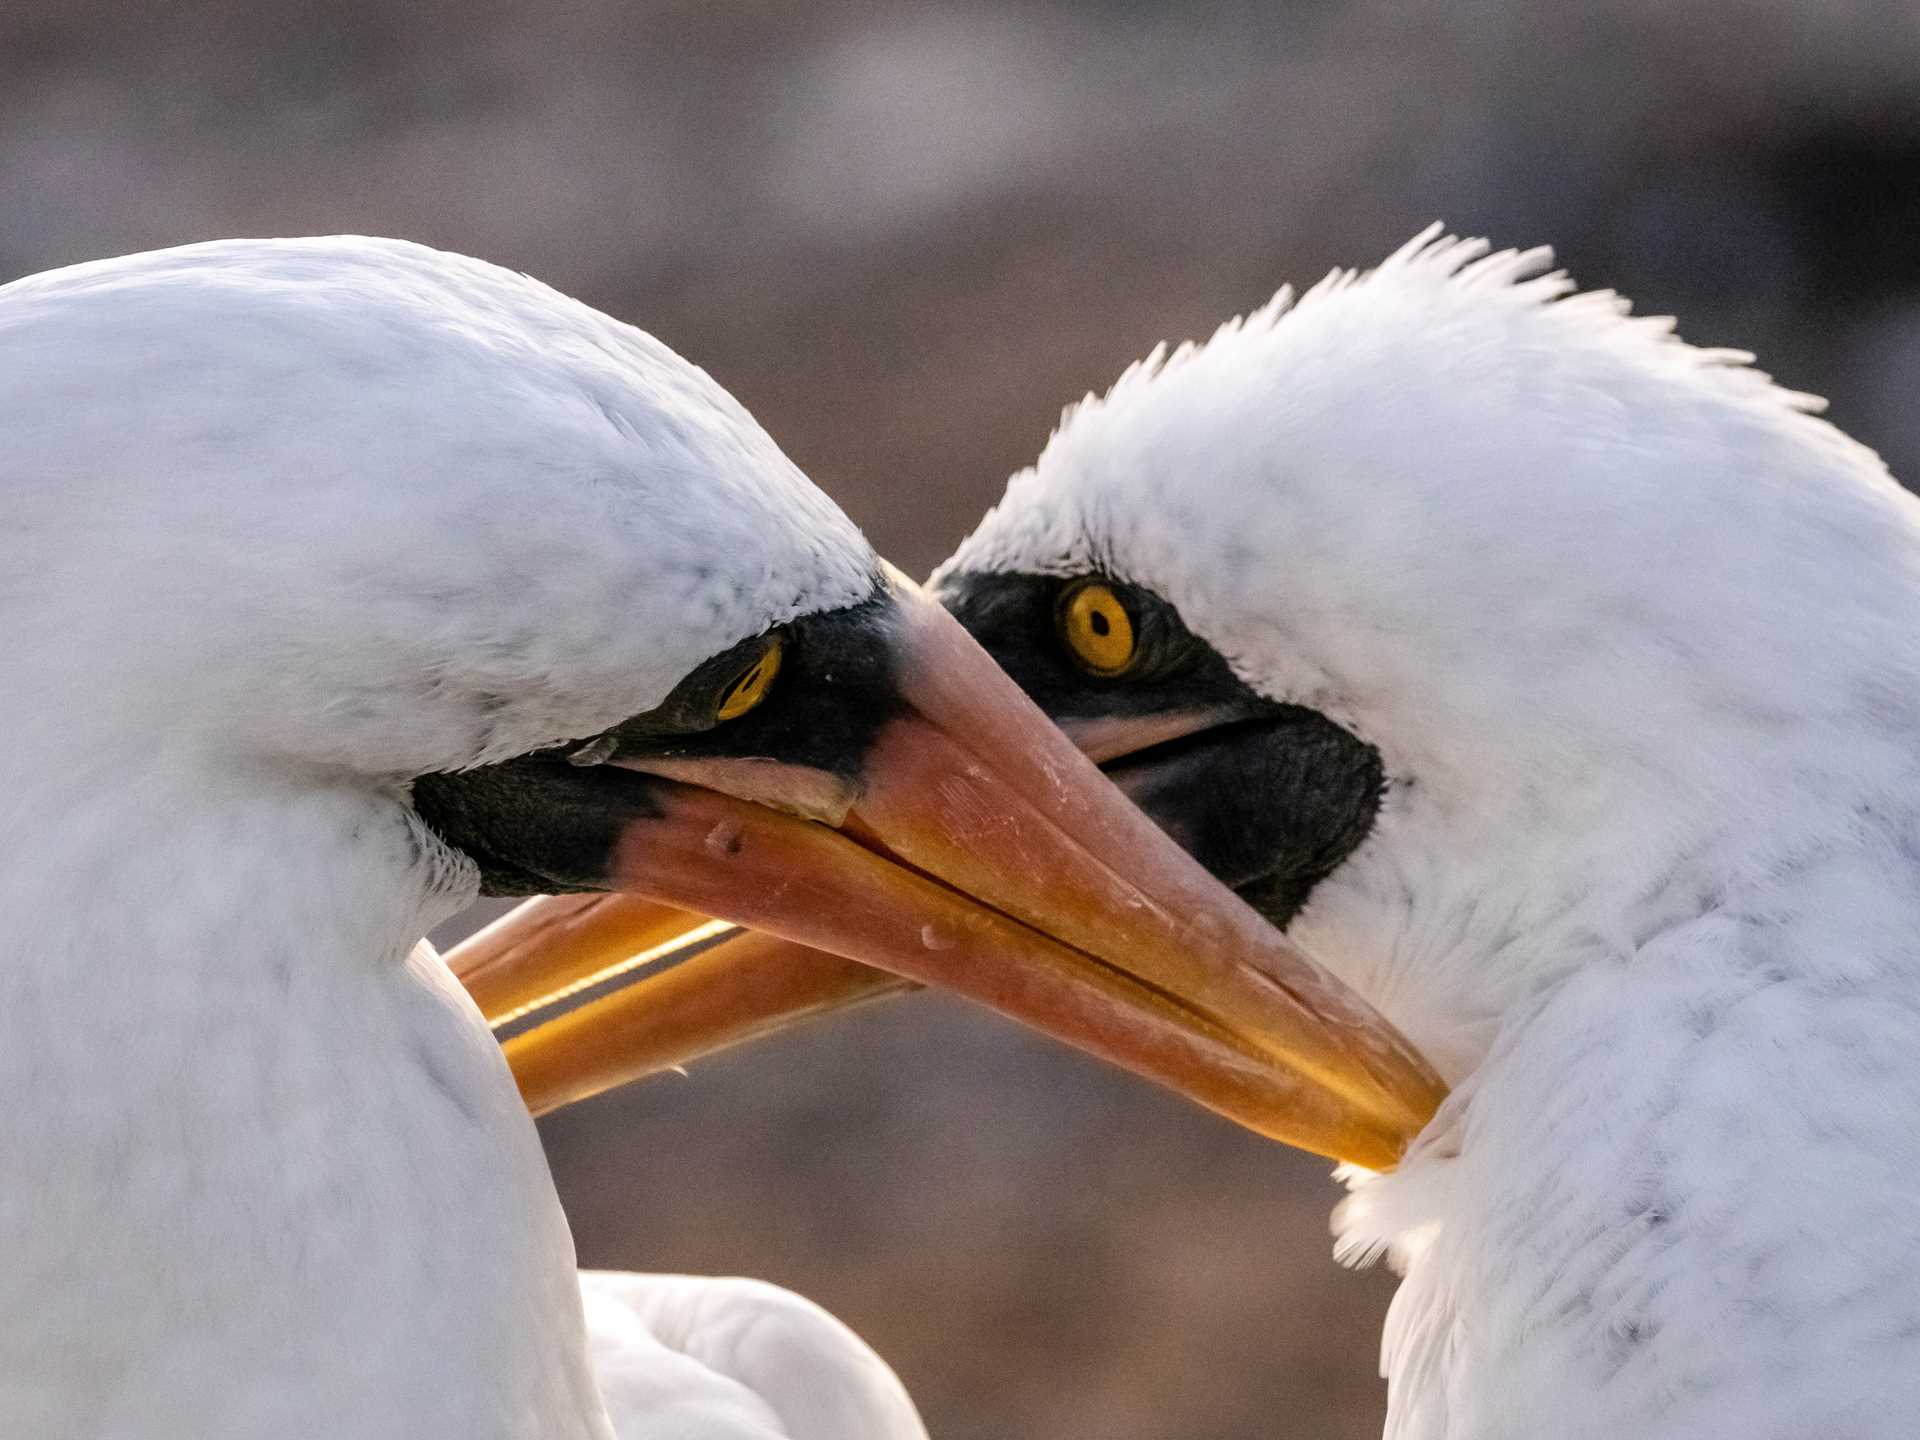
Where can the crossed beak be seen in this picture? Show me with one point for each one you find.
(977, 850)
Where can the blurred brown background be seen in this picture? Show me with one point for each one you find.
(905, 236)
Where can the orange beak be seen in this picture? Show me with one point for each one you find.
(979, 851)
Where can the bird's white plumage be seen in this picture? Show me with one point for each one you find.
(286, 523)
(684, 1357)
(1638, 639)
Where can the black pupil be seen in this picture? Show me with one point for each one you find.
(1098, 622)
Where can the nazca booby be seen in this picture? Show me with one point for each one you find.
(345, 577)
(1557, 684)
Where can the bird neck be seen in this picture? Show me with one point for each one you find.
(267, 1163)
(1458, 943)
(1680, 1183)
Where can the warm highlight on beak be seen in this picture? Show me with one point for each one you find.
(747, 987)
(983, 853)
(699, 986)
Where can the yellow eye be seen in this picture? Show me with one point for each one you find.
(1097, 628)
(752, 687)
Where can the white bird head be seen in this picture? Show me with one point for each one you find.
(1598, 607)
(360, 504)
